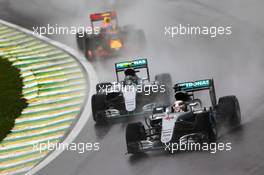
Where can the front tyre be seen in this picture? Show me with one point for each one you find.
(98, 108)
(135, 132)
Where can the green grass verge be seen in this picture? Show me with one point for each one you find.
(11, 101)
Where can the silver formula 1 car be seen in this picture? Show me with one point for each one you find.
(189, 122)
(134, 95)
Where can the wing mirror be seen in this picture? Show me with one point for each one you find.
(195, 104)
(149, 107)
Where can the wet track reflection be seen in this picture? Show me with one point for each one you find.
(235, 62)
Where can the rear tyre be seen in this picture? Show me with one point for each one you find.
(135, 132)
(80, 39)
(228, 110)
(89, 47)
(98, 108)
(165, 80)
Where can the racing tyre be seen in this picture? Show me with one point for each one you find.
(228, 110)
(89, 48)
(165, 79)
(135, 132)
(98, 108)
(100, 86)
(206, 123)
(80, 38)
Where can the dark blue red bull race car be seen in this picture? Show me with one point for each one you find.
(107, 38)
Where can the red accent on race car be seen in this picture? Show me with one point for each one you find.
(168, 118)
(101, 16)
(90, 53)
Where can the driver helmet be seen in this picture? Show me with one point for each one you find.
(182, 95)
(179, 106)
(130, 76)
(130, 72)
(107, 22)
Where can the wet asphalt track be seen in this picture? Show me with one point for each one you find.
(236, 62)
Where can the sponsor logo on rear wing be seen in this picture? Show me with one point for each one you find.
(135, 64)
(193, 86)
(101, 16)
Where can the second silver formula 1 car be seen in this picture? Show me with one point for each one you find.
(133, 95)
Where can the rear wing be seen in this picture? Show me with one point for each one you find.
(193, 86)
(199, 85)
(101, 16)
(140, 63)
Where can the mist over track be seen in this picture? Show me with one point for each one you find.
(234, 61)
